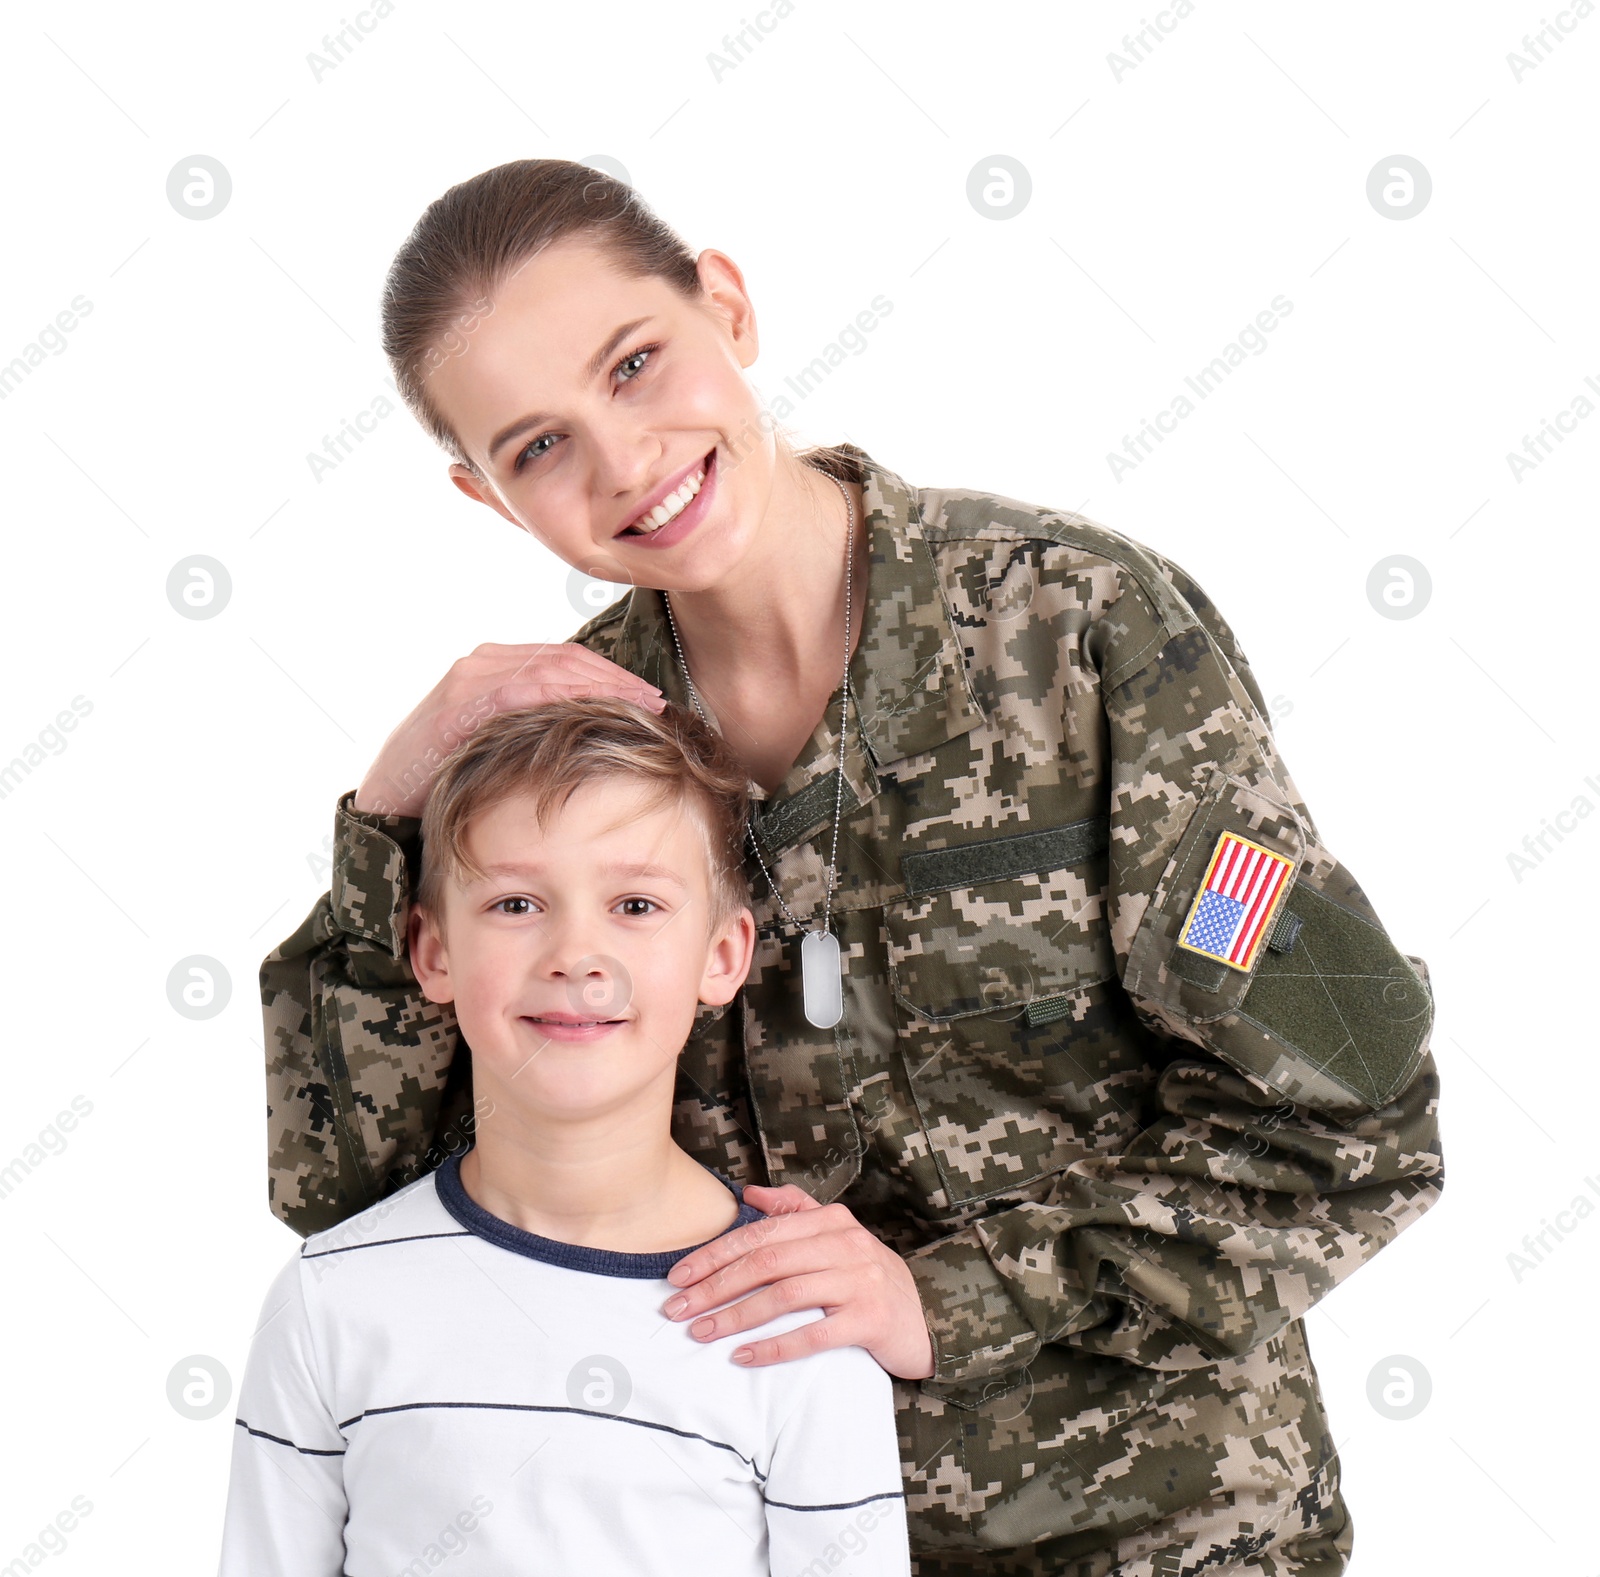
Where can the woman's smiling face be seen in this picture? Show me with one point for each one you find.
(584, 395)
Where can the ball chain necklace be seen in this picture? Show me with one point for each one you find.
(821, 973)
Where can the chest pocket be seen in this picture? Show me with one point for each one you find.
(994, 955)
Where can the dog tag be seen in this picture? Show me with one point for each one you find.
(821, 978)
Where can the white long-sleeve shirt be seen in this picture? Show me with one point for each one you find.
(433, 1389)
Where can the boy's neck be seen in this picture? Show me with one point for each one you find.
(629, 1191)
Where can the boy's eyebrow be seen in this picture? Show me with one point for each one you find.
(592, 371)
(645, 872)
(641, 872)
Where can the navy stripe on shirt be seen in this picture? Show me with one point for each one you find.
(841, 1505)
(416, 1237)
(305, 1451)
(572, 1256)
(542, 1407)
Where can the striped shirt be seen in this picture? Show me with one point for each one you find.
(432, 1388)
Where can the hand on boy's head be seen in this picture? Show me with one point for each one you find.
(806, 1255)
(491, 678)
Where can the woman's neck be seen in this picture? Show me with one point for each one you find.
(775, 627)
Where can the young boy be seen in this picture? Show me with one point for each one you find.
(478, 1366)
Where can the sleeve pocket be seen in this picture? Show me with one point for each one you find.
(1184, 983)
(1330, 1013)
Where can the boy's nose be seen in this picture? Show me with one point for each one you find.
(599, 984)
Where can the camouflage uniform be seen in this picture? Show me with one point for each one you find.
(1119, 1171)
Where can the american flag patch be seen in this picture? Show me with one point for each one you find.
(1228, 919)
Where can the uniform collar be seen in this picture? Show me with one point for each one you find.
(908, 671)
(909, 691)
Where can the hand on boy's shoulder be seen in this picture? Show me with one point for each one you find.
(800, 1255)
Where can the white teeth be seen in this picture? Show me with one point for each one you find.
(672, 505)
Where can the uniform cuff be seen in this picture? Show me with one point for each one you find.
(371, 883)
(977, 1329)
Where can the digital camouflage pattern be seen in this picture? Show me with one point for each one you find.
(1119, 1171)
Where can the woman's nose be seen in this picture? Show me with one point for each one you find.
(625, 462)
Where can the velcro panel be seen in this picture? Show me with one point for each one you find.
(995, 859)
(1345, 1000)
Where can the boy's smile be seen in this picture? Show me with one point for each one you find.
(561, 1028)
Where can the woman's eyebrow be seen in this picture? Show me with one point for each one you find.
(592, 371)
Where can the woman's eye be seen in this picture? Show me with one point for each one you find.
(532, 451)
(641, 355)
(649, 906)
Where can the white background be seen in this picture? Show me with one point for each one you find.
(189, 812)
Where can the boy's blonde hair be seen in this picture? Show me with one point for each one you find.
(549, 751)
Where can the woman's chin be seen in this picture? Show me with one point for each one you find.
(715, 557)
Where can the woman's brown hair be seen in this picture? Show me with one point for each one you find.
(475, 236)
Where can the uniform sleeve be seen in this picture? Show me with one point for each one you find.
(1290, 1128)
(365, 1092)
(835, 1500)
(286, 1506)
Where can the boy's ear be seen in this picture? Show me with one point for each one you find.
(429, 962)
(728, 963)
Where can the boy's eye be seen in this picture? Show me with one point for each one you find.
(649, 905)
(501, 903)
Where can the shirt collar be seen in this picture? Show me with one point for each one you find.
(641, 1266)
(907, 675)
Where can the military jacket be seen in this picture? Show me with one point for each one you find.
(1119, 1165)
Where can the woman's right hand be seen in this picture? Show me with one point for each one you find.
(491, 679)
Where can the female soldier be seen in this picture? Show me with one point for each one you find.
(1074, 1066)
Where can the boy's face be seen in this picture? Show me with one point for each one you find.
(577, 963)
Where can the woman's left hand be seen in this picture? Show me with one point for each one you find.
(806, 1255)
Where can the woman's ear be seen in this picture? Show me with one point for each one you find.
(728, 962)
(429, 962)
(729, 298)
(474, 487)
